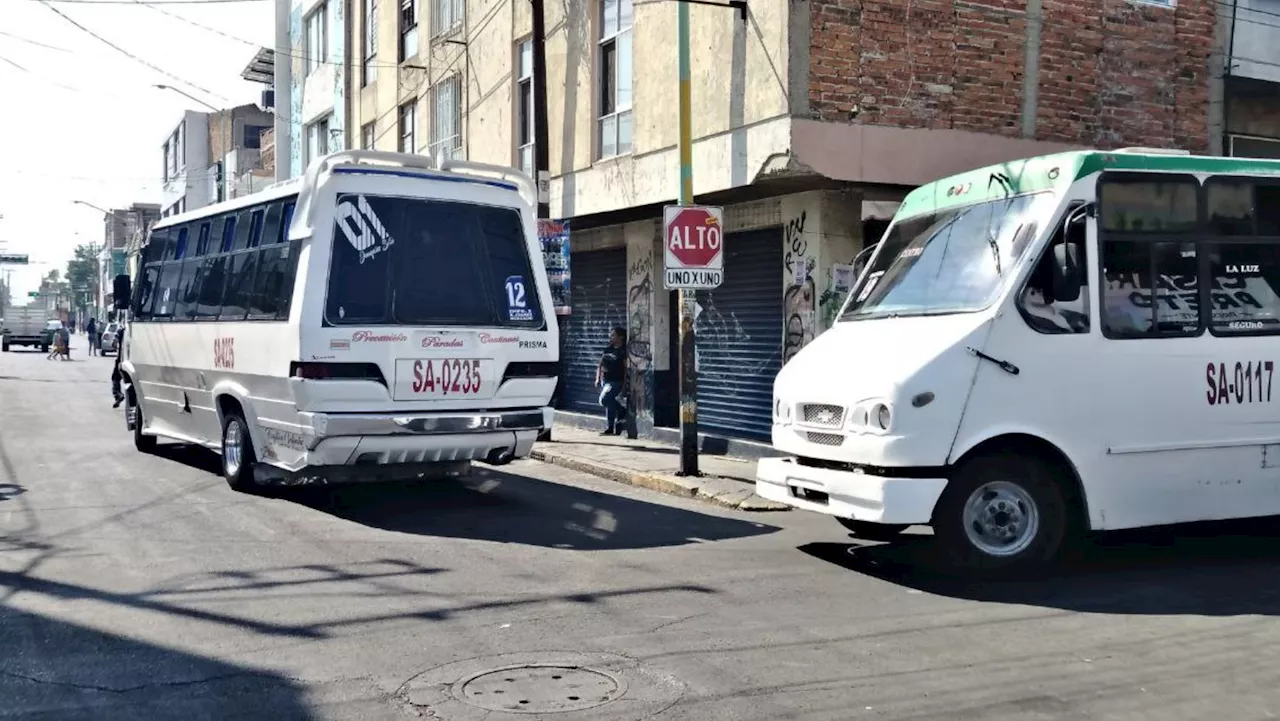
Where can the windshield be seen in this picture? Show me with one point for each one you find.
(413, 261)
(952, 261)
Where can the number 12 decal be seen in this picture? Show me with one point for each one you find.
(517, 300)
(1241, 383)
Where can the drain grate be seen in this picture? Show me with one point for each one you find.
(539, 688)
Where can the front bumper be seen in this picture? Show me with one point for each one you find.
(349, 439)
(848, 494)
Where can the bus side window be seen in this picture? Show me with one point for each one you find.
(1037, 302)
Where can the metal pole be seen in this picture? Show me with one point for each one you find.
(542, 156)
(687, 298)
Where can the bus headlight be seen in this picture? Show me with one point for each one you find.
(883, 417)
(875, 416)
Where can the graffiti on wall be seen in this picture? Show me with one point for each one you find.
(799, 302)
(639, 332)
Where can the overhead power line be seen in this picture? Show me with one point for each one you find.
(29, 41)
(128, 54)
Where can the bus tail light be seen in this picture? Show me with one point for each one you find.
(337, 372)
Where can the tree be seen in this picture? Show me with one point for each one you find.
(82, 273)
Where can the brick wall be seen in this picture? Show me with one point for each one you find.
(1112, 73)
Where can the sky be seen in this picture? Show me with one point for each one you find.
(82, 121)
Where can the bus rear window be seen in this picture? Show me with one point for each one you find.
(412, 261)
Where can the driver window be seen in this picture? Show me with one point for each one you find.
(1037, 304)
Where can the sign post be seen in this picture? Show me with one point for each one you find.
(693, 260)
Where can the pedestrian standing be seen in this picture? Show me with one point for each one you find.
(610, 376)
(91, 330)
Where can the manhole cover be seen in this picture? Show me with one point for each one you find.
(539, 688)
(572, 685)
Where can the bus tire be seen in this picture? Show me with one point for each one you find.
(238, 458)
(142, 442)
(872, 531)
(1002, 513)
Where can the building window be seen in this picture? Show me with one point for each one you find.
(367, 138)
(446, 16)
(253, 136)
(316, 28)
(317, 135)
(446, 117)
(614, 125)
(409, 127)
(369, 68)
(524, 106)
(408, 29)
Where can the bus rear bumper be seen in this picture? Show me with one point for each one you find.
(353, 443)
(859, 496)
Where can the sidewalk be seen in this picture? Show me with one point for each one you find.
(650, 464)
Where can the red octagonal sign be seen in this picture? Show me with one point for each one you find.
(693, 240)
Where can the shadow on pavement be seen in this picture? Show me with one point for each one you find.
(1209, 569)
(511, 508)
(58, 670)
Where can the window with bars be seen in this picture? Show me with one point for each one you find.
(614, 124)
(316, 38)
(408, 29)
(446, 118)
(447, 16)
(409, 127)
(369, 64)
(524, 106)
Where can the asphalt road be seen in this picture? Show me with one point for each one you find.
(141, 587)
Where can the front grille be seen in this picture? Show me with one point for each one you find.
(822, 414)
(826, 439)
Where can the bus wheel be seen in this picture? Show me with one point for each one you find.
(238, 458)
(1002, 513)
(872, 531)
(133, 416)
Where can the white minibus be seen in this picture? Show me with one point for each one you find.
(376, 318)
(1037, 349)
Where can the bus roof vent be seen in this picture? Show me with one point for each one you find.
(1151, 151)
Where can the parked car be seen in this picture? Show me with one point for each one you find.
(109, 338)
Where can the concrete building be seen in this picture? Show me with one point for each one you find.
(188, 173)
(311, 120)
(1251, 112)
(811, 118)
(121, 228)
(197, 151)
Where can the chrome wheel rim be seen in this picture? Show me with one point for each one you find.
(232, 446)
(1001, 519)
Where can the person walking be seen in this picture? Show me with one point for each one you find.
(91, 330)
(610, 376)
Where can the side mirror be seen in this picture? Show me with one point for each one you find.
(860, 260)
(1068, 275)
(122, 290)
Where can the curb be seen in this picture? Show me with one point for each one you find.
(738, 496)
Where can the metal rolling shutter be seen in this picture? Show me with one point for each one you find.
(740, 338)
(598, 292)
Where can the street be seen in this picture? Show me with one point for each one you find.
(142, 587)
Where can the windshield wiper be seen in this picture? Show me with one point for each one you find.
(1005, 366)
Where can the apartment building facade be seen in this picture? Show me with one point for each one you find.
(205, 155)
(811, 119)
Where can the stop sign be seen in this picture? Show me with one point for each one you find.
(693, 241)
(695, 237)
